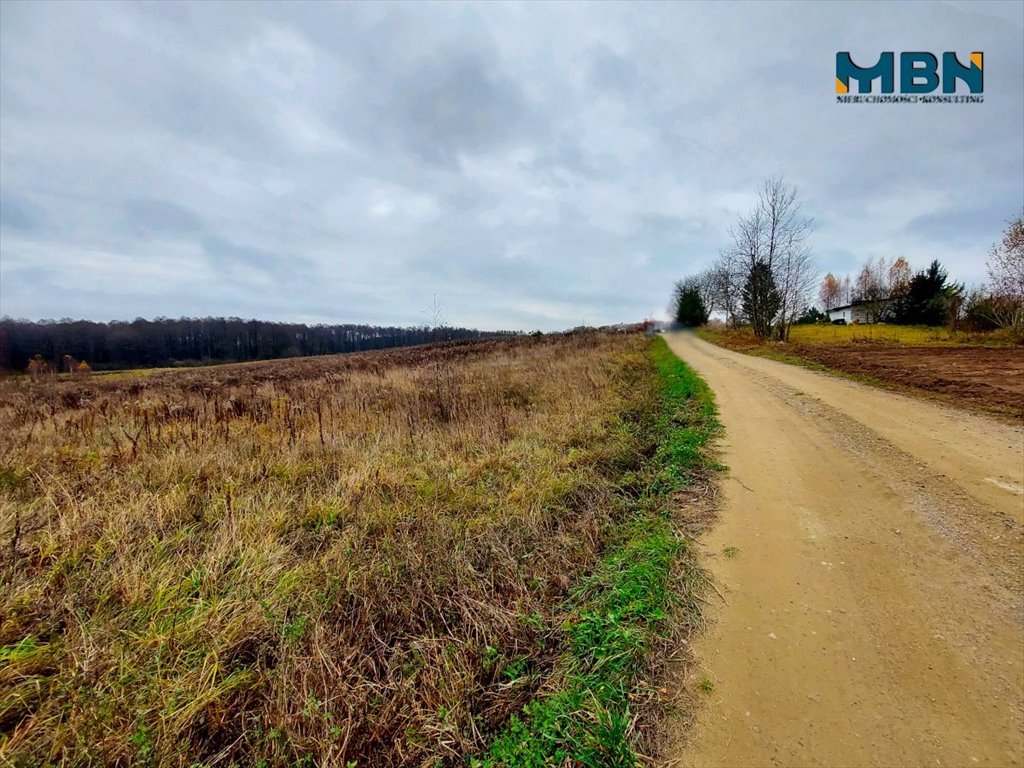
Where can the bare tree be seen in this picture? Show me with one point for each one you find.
(773, 239)
(705, 286)
(1005, 306)
(761, 299)
(744, 256)
(786, 251)
(864, 285)
(829, 292)
(845, 291)
(797, 275)
(725, 279)
(872, 288)
(438, 321)
(899, 277)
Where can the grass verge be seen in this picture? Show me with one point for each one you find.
(644, 588)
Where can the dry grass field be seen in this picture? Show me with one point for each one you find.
(883, 333)
(361, 558)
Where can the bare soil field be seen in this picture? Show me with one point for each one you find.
(987, 378)
(870, 551)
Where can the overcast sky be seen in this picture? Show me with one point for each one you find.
(534, 166)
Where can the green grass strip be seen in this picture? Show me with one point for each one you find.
(619, 612)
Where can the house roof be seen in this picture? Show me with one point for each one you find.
(860, 303)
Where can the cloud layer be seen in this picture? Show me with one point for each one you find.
(534, 166)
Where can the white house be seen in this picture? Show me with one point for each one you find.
(849, 313)
(859, 311)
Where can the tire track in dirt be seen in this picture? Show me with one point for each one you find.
(875, 605)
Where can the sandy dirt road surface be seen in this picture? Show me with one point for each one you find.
(875, 603)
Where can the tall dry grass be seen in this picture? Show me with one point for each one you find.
(311, 562)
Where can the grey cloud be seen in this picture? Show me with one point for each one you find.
(668, 231)
(962, 224)
(149, 216)
(241, 262)
(612, 72)
(18, 214)
(532, 165)
(448, 106)
(563, 162)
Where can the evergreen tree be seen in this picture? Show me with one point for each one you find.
(812, 315)
(927, 298)
(690, 309)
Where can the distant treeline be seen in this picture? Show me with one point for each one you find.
(196, 341)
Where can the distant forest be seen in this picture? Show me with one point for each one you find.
(198, 341)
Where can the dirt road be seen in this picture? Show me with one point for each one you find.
(875, 612)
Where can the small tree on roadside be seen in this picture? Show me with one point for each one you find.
(784, 247)
(761, 299)
(725, 282)
(775, 232)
